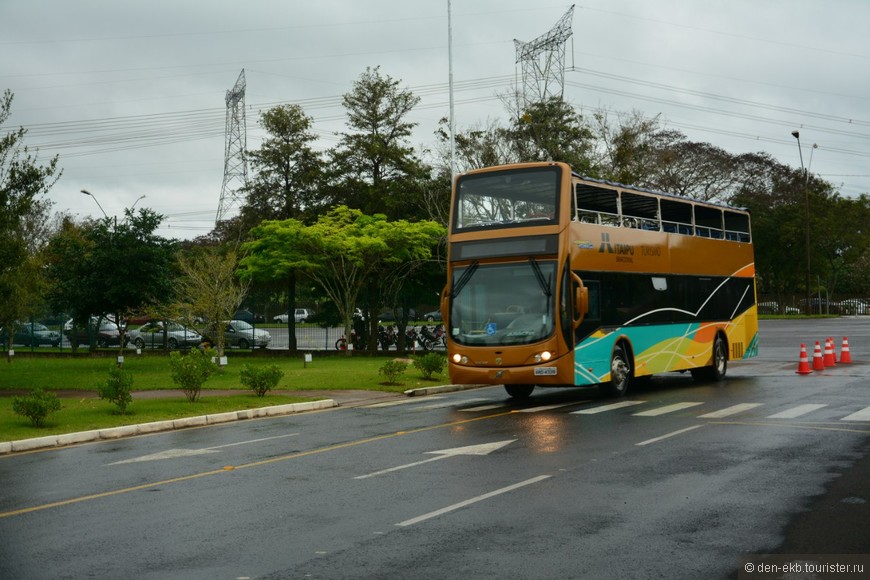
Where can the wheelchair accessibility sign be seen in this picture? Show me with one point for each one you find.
(490, 328)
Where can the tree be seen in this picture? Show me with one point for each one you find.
(479, 146)
(210, 290)
(112, 267)
(842, 236)
(630, 151)
(288, 176)
(22, 215)
(374, 168)
(67, 270)
(771, 192)
(287, 169)
(342, 252)
(552, 130)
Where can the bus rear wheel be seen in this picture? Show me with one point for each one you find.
(620, 373)
(716, 371)
(519, 391)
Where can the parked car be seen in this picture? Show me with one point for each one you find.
(854, 306)
(432, 316)
(772, 307)
(151, 335)
(107, 334)
(389, 315)
(31, 334)
(246, 315)
(299, 315)
(241, 334)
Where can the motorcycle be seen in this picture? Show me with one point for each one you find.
(386, 337)
(355, 339)
(427, 338)
(439, 337)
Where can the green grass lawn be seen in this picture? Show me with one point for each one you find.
(85, 414)
(151, 372)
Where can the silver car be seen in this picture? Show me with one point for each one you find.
(151, 335)
(241, 334)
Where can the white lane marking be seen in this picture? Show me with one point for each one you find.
(473, 500)
(483, 408)
(796, 411)
(178, 453)
(656, 439)
(610, 407)
(728, 411)
(545, 407)
(666, 409)
(862, 415)
(255, 440)
(400, 402)
(482, 449)
(453, 403)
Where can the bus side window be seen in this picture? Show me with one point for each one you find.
(593, 287)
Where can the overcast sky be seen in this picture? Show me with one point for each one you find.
(131, 94)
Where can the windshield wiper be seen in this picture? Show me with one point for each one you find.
(463, 280)
(545, 284)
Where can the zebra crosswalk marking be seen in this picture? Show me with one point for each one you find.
(728, 411)
(666, 409)
(798, 411)
(610, 407)
(862, 415)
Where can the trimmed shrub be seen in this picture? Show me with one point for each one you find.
(190, 371)
(261, 380)
(430, 364)
(392, 369)
(36, 406)
(117, 388)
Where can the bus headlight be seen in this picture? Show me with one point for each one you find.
(459, 359)
(543, 356)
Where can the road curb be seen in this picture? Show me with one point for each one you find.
(62, 440)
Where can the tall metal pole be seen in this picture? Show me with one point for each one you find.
(809, 309)
(450, 82)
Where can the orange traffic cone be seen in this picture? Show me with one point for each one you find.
(818, 361)
(804, 363)
(830, 359)
(845, 355)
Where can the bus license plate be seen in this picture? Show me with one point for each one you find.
(545, 371)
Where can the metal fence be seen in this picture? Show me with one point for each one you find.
(54, 333)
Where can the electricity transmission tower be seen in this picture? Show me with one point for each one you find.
(235, 162)
(543, 62)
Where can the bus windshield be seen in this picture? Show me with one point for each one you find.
(503, 304)
(507, 198)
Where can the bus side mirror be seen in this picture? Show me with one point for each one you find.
(581, 301)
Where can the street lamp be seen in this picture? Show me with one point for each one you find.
(86, 192)
(797, 135)
(135, 202)
(111, 240)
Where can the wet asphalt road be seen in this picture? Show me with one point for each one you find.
(680, 481)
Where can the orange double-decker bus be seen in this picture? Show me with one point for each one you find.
(558, 280)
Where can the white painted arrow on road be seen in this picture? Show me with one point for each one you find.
(178, 453)
(482, 449)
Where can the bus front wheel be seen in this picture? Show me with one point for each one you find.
(620, 373)
(519, 391)
(716, 371)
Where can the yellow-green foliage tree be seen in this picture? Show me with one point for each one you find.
(342, 252)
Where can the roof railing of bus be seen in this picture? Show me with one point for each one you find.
(663, 194)
(645, 211)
